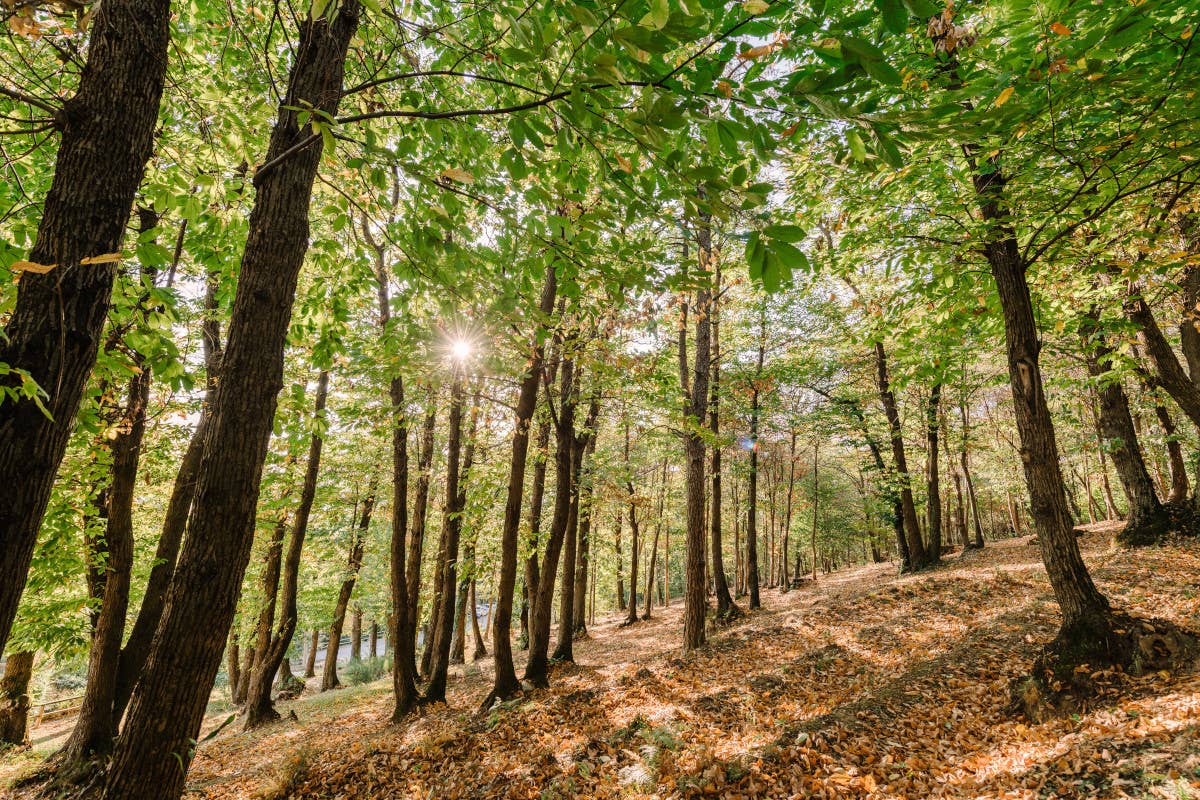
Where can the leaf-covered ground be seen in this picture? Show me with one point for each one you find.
(866, 685)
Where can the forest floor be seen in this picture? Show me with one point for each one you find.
(866, 684)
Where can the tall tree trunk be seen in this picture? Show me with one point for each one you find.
(479, 649)
(14, 697)
(1086, 615)
(726, 608)
(695, 603)
(816, 516)
(658, 524)
(917, 557)
(107, 133)
(310, 658)
(965, 462)
(537, 662)
(269, 583)
(787, 514)
(752, 488)
(354, 560)
(259, 709)
(1147, 518)
(446, 571)
(168, 705)
(416, 547)
(621, 604)
(634, 554)
(537, 496)
(1179, 477)
(933, 475)
(586, 486)
(356, 620)
(565, 650)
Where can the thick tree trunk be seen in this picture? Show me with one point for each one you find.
(1147, 517)
(537, 662)
(168, 705)
(446, 570)
(14, 697)
(259, 709)
(933, 477)
(917, 557)
(107, 131)
(1179, 478)
(1086, 615)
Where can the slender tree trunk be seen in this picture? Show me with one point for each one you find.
(752, 490)
(586, 487)
(537, 663)
(726, 608)
(479, 649)
(917, 557)
(233, 664)
(1179, 478)
(933, 482)
(816, 516)
(965, 463)
(356, 620)
(1147, 518)
(446, 572)
(107, 135)
(310, 659)
(259, 709)
(565, 650)
(695, 603)
(658, 524)
(787, 515)
(269, 585)
(416, 546)
(354, 559)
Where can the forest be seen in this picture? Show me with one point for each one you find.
(599, 398)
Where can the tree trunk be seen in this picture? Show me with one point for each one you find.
(14, 697)
(695, 603)
(259, 709)
(537, 662)
(564, 650)
(168, 705)
(354, 559)
(787, 515)
(269, 582)
(726, 608)
(356, 620)
(107, 135)
(1179, 477)
(964, 462)
(1086, 615)
(310, 659)
(406, 694)
(479, 649)
(586, 487)
(446, 570)
(1147, 518)
(658, 524)
(816, 518)
(621, 604)
(233, 664)
(933, 482)
(752, 488)
(917, 557)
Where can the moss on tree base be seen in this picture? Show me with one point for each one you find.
(1066, 677)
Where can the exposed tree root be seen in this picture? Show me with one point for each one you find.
(1067, 676)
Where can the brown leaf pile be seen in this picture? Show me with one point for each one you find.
(865, 685)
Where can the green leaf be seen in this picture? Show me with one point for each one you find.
(895, 15)
(785, 233)
(858, 148)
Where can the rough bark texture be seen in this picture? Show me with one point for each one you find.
(538, 661)
(695, 597)
(354, 559)
(259, 709)
(107, 131)
(1179, 477)
(14, 697)
(446, 570)
(1147, 518)
(154, 751)
(726, 608)
(932, 479)
(1086, 615)
(416, 542)
(356, 617)
(564, 650)
(505, 683)
(917, 557)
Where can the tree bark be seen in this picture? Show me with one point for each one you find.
(726, 608)
(752, 580)
(580, 443)
(356, 620)
(310, 658)
(446, 570)
(917, 557)
(416, 546)
(168, 705)
(1147, 518)
(354, 560)
(259, 709)
(107, 134)
(14, 697)
(537, 662)
(933, 482)
(583, 561)
(658, 524)
(965, 463)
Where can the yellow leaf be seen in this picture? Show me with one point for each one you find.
(755, 52)
(624, 164)
(107, 258)
(868, 782)
(1060, 29)
(724, 88)
(455, 174)
(755, 6)
(29, 266)
(1003, 98)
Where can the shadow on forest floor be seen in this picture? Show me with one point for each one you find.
(866, 684)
